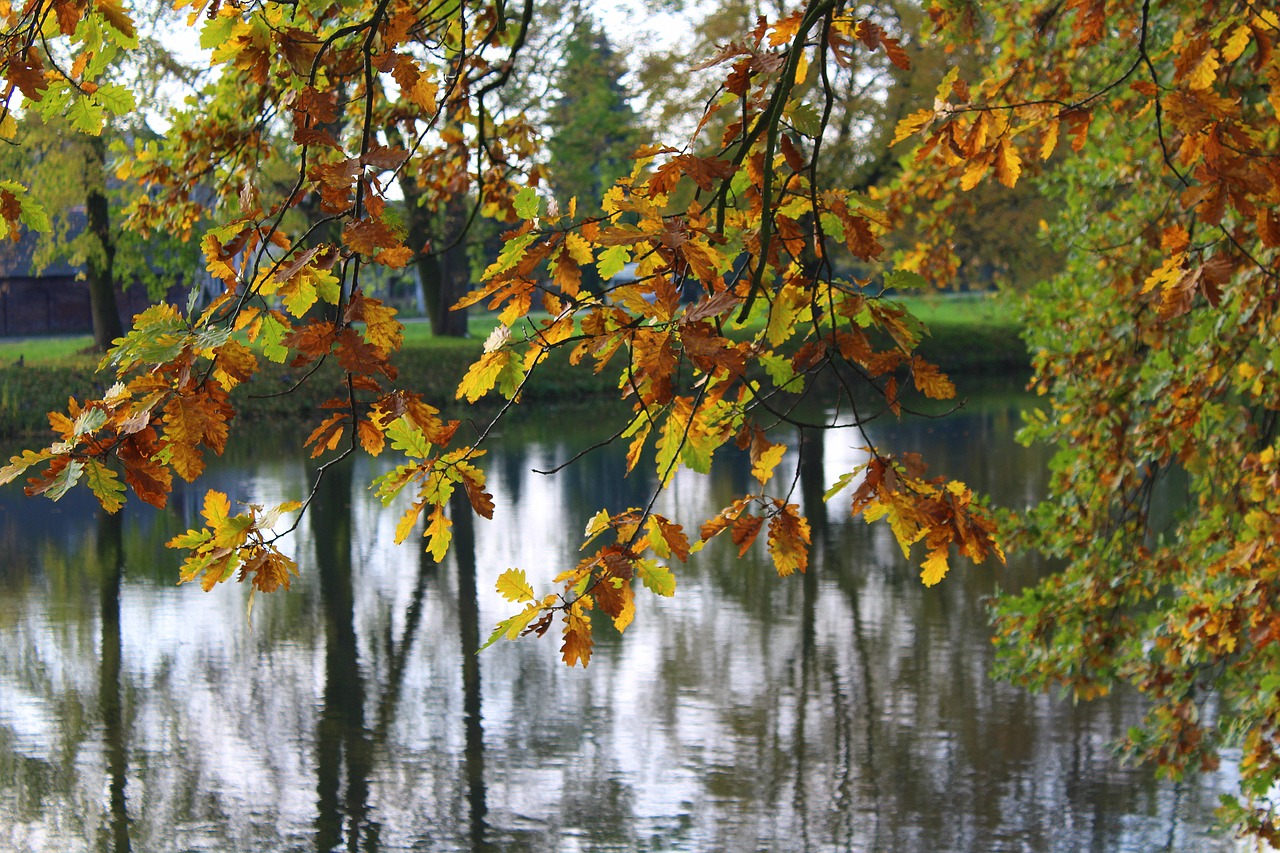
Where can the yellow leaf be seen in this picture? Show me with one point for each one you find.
(1050, 140)
(216, 508)
(1008, 164)
(514, 586)
(628, 612)
(577, 637)
(974, 173)
(763, 463)
(912, 124)
(935, 568)
(789, 541)
(1205, 70)
(905, 530)
(482, 375)
(438, 534)
(598, 523)
(944, 86)
(424, 93)
(1236, 44)
(407, 521)
(382, 329)
(1169, 272)
(8, 126)
(118, 18)
(802, 68)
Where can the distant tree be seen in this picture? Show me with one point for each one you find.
(62, 145)
(592, 130)
(68, 173)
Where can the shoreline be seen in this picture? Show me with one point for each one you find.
(27, 393)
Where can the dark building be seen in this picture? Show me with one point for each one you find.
(55, 301)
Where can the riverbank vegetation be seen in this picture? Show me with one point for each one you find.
(970, 335)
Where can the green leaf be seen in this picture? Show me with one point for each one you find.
(838, 486)
(19, 464)
(510, 254)
(656, 577)
(408, 439)
(66, 478)
(778, 368)
(511, 628)
(612, 260)
(217, 31)
(905, 280)
(86, 116)
(393, 482)
(270, 334)
(33, 215)
(191, 540)
(105, 484)
(527, 203)
(805, 118)
(90, 421)
(116, 98)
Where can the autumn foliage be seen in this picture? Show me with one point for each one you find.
(735, 307)
(1152, 126)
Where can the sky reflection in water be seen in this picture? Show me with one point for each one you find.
(848, 709)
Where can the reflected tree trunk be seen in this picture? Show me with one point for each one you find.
(400, 653)
(111, 562)
(342, 739)
(464, 552)
(811, 491)
(813, 448)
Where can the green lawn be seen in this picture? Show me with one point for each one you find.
(963, 308)
(65, 351)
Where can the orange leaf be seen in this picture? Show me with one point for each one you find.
(577, 639)
(789, 541)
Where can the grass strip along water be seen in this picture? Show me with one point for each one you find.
(968, 337)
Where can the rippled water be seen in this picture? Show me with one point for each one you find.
(848, 709)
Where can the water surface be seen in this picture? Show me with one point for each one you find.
(848, 709)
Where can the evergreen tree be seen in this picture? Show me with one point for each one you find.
(593, 130)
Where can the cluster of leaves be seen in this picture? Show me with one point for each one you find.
(745, 232)
(71, 83)
(1157, 348)
(734, 310)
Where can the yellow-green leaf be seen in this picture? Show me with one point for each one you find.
(656, 577)
(514, 586)
(105, 484)
(438, 534)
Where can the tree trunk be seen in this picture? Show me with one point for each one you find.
(446, 276)
(101, 256)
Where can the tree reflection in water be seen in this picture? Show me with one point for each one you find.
(464, 551)
(342, 739)
(848, 709)
(110, 547)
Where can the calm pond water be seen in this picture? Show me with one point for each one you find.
(848, 709)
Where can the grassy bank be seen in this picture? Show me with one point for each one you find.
(969, 336)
